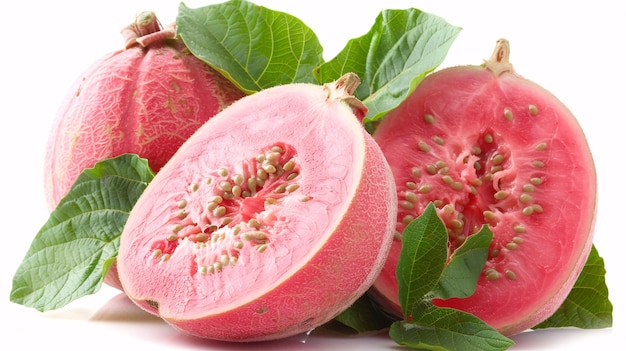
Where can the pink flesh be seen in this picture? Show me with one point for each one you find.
(467, 103)
(321, 254)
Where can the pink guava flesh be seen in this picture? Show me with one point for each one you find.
(487, 146)
(146, 99)
(269, 221)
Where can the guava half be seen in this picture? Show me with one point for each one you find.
(271, 219)
(488, 146)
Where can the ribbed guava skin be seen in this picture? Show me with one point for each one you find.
(322, 228)
(490, 147)
(142, 100)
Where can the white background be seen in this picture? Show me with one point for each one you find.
(574, 49)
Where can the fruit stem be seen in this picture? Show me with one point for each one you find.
(146, 30)
(343, 89)
(499, 61)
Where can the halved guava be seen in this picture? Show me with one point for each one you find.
(269, 221)
(487, 146)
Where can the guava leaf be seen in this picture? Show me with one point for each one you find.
(363, 317)
(442, 329)
(422, 258)
(251, 45)
(587, 306)
(71, 253)
(400, 49)
(423, 274)
(461, 273)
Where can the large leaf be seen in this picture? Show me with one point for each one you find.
(587, 306)
(400, 49)
(467, 262)
(253, 46)
(422, 258)
(424, 273)
(446, 329)
(70, 255)
(363, 316)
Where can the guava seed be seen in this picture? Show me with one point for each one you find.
(265, 178)
(508, 114)
(429, 119)
(492, 274)
(510, 274)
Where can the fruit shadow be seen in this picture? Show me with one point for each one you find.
(121, 309)
(318, 339)
(545, 339)
(151, 329)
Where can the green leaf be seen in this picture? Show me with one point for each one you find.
(70, 255)
(400, 49)
(362, 316)
(251, 45)
(461, 273)
(422, 258)
(587, 306)
(423, 274)
(442, 329)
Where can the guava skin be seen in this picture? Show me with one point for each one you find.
(488, 146)
(274, 217)
(146, 99)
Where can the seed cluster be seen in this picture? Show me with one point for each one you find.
(235, 209)
(484, 188)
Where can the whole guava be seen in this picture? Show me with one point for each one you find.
(145, 99)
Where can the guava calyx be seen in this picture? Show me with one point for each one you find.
(499, 62)
(147, 30)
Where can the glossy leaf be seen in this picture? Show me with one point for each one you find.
(70, 255)
(422, 258)
(587, 306)
(400, 49)
(446, 329)
(255, 47)
(466, 263)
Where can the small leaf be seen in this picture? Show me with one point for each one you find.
(363, 316)
(467, 262)
(422, 258)
(72, 252)
(443, 329)
(251, 45)
(587, 306)
(392, 58)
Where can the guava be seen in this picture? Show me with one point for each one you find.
(487, 146)
(274, 217)
(146, 99)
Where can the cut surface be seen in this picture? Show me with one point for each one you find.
(502, 151)
(254, 221)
